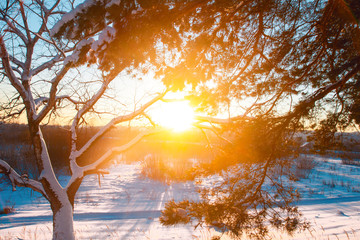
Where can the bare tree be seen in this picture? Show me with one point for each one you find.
(35, 70)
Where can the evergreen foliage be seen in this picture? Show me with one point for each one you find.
(297, 62)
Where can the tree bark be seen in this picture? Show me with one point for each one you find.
(63, 223)
(61, 205)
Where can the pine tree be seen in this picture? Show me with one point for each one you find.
(280, 64)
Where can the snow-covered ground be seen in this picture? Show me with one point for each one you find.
(127, 206)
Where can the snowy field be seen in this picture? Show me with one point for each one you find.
(127, 206)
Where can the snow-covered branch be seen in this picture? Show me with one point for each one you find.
(115, 121)
(79, 54)
(20, 181)
(16, 61)
(87, 106)
(94, 167)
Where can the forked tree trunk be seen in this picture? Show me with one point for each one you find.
(61, 205)
(63, 224)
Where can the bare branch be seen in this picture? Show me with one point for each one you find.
(8, 69)
(43, 100)
(24, 18)
(13, 114)
(80, 172)
(221, 120)
(303, 106)
(116, 150)
(52, 96)
(212, 128)
(20, 181)
(46, 65)
(16, 61)
(86, 108)
(43, 27)
(208, 141)
(14, 29)
(114, 122)
(150, 119)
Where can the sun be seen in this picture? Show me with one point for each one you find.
(177, 116)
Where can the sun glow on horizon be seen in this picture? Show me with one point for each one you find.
(177, 116)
